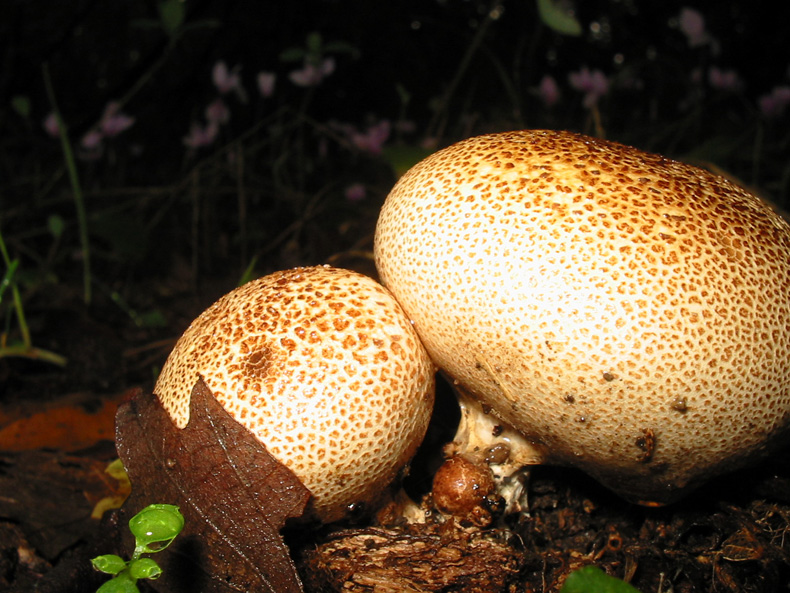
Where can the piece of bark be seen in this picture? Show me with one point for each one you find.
(235, 497)
(415, 558)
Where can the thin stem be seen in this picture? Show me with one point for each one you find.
(18, 308)
(26, 349)
(31, 352)
(436, 126)
(71, 167)
(146, 76)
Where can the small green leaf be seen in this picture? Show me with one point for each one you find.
(249, 272)
(123, 583)
(109, 563)
(152, 318)
(56, 224)
(21, 104)
(144, 568)
(591, 579)
(314, 42)
(171, 16)
(155, 527)
(558, 18)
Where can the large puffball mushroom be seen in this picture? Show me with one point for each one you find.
(324, 368)
(626, 314)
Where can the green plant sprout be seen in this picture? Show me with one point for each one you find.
(154, 528)
(172, 22)
(591, 579)
(558, 17)
(24, 348)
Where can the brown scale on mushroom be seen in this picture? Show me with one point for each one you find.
(626, 313)
(323, 367)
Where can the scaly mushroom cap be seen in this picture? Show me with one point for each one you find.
(323, 367)
(627, 313)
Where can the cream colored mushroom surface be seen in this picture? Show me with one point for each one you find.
(324, 368)
(627, 314)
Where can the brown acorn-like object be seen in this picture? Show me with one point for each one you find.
(461, 486)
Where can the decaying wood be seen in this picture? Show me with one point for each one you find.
(413, 559)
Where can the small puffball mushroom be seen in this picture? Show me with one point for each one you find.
(324, 368)
(596, 306)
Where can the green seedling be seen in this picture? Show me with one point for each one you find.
(172, 21)
(24, 348)
(154, 528)
(557, 17)
(591, 579)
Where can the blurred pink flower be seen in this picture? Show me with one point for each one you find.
(429, 143)
(355, 192)
(266, 82)
(692, 25)
(404, 126)
(225, 80)
(774, 103)
(91, 140)
(200, 136)
(549, 91)
(695, 76)
(113, 121)
(217, 112)
(50, 125)
(91, 145)
(593, 84)
(228, 80)
(373, 138)
(724, 80)
(311, 74)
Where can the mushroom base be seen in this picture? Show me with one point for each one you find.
(484, 438)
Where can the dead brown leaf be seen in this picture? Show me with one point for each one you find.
(235, 497)
(70, 423)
